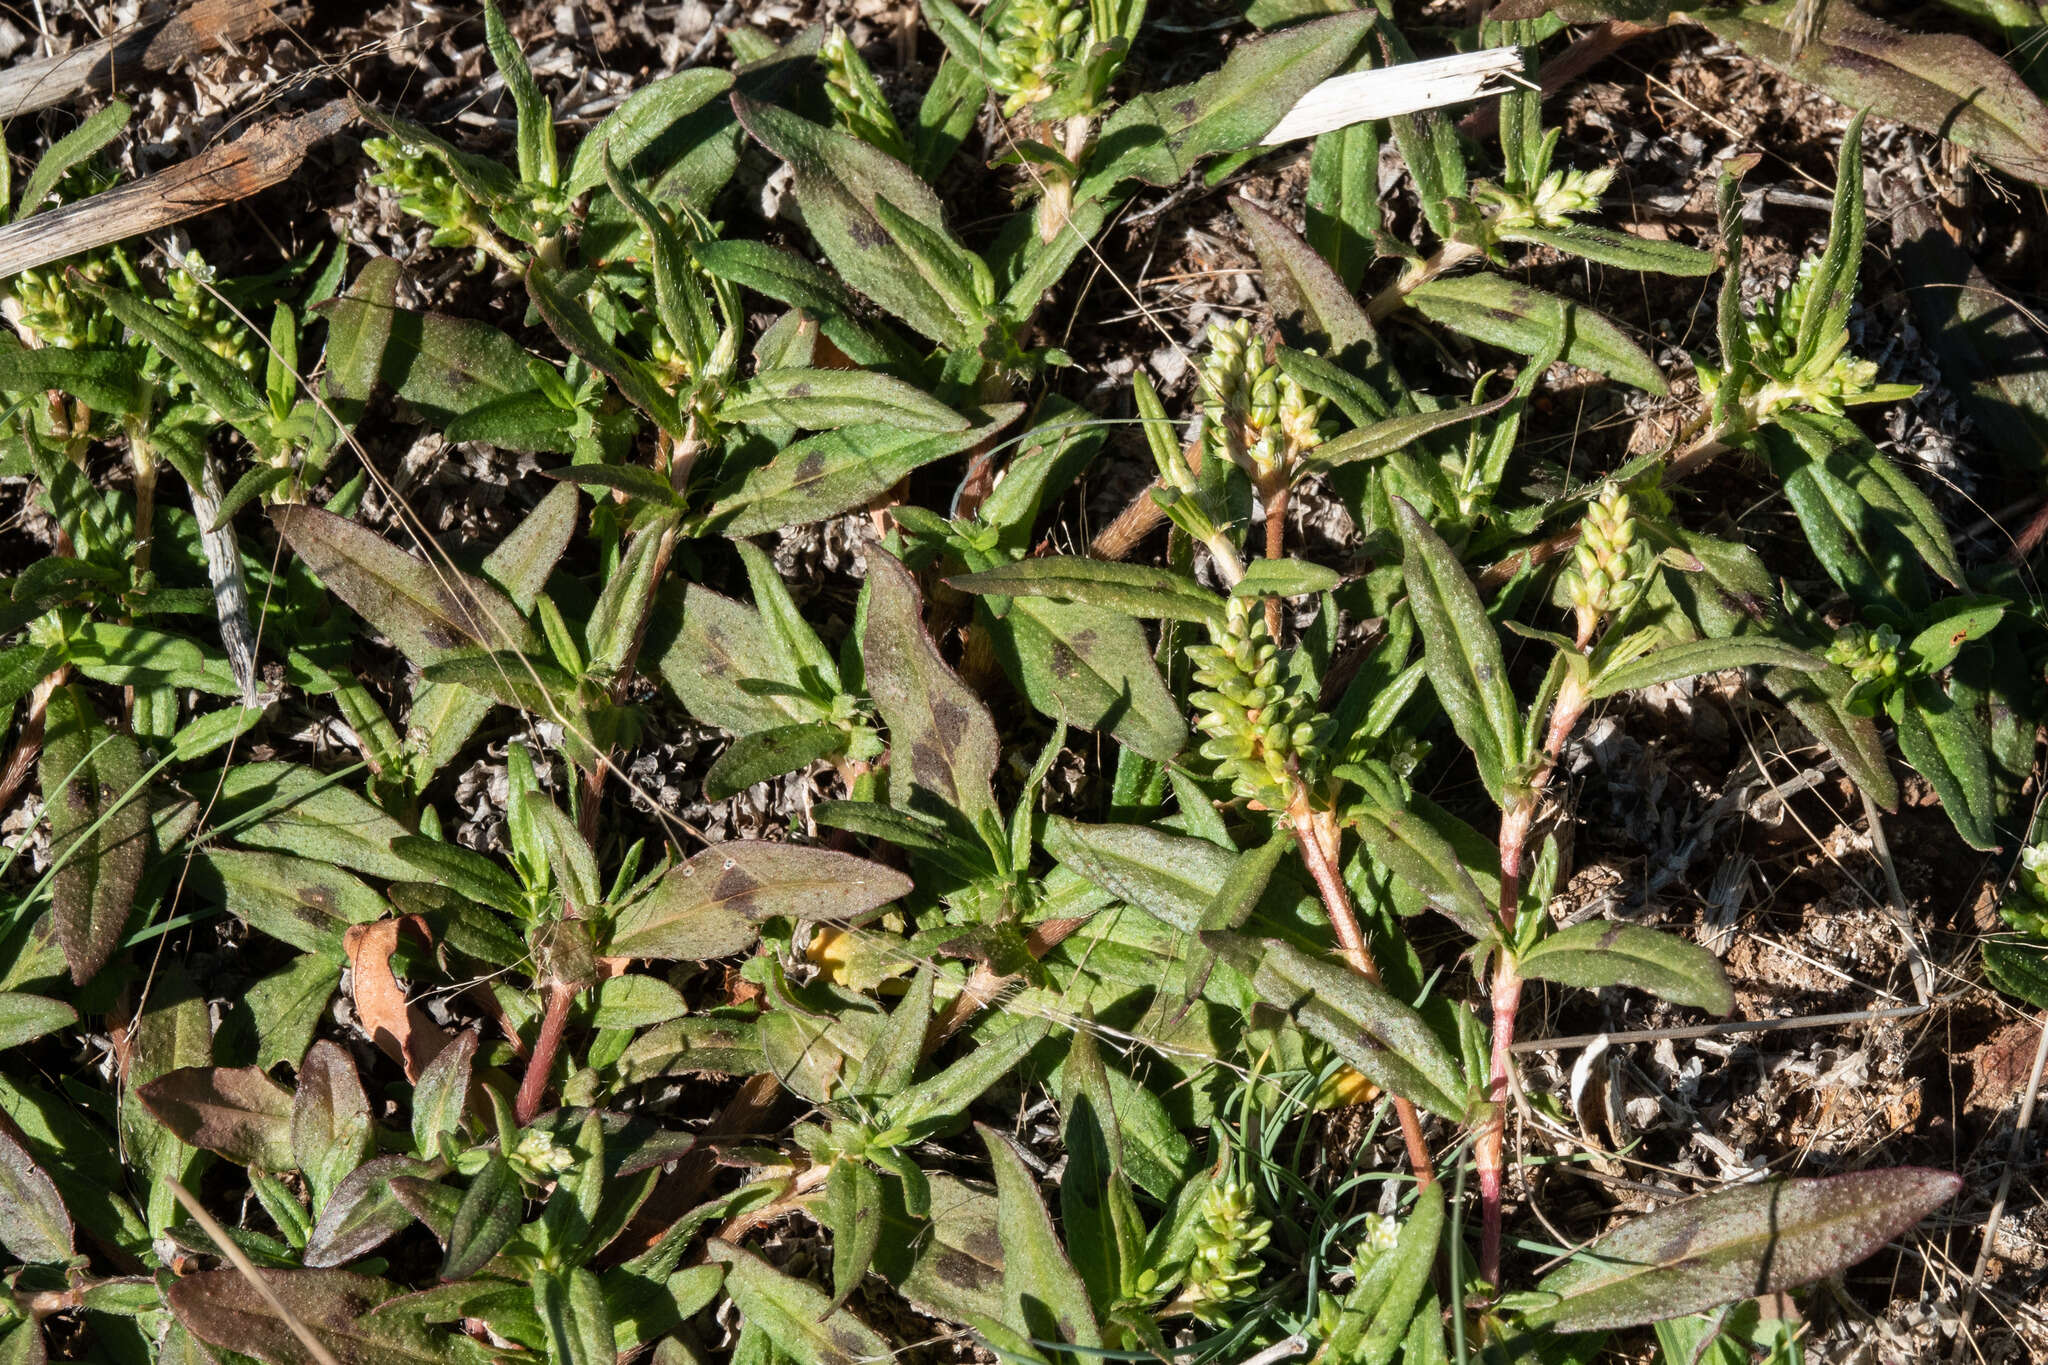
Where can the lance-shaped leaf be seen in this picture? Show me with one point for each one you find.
(1943, 736)
(303, 811)
(1090, 667)
(331, 1133)
(222, 1308)
(237, 1111)
(796, 1316)
(99, 829)
(1171, 877)
(715, 903)
(836, 471)
(1463, 648)
(1598, 953)
(572, 324)
(2018, 968)
(25, 1017)
(1133, 589)
(853, 1213)
(1301, 286)
(1395, 433)
(819, 399)
(363, 1212)
(838, 179)
(1417, 852)
(942, 738)
(1944, 84)
(1622, 250)
(943, 1099)
(307, 904)
(429, 611)
(951, 1263)
(1696, 657)
(1044, 1297)
(1160, 136)
(639, 124)
(1410, 1262)
(1519, 318)
(33, 1222)
(789, 278)
(490, 1212)
(767, 754)
(1387, 1041)
(1737, 1243)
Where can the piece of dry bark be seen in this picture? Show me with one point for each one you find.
(158, 43)
(254, 161)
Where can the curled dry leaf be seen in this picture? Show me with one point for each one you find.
(404, 1031)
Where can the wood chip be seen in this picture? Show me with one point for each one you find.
(254, 161)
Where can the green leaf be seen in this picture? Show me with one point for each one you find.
(1133, 589)
(105, 380)
(1388, 1042)
(1669, 663)
(789, 278)
(1091, 667)
(1598, 953)
(136, 656)
(1160, 136)
(1043, 1295)
(536, 121)
(942, 737)
(797, 1317)
(492, 1209)
(838, 178)
(1948, 743)
(714, 904)
(834, 472)
(1412, 1259)
(767, 754)
(1302, 287)
(2019, 969)
(1519, 318)
(429, 611)
(1170, 877)
(99, 830)
(33, 1222)
(463, 871)
(25, 1017)
(1342, 203)
(363, 1213)
(571, 322)
(1285, 578)
(1743, 1242)
(853, 1213)
(303, 811)
(290, 1002)
(299, 901)
(1394, 433)
(1465, 663)
(440, 1097)
(1957, 623)
(1429, 148)
(238, 1112)
(723, 644)
(638, 125)
(75, 148)
(941, 1101)
(217, 381)
(816, 400)
(1623, 250)
(444, 366)
(331, 1131)
(1943, 84)
(1417, 852)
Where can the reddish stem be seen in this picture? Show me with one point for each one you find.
(1276, 495)
(1337, 901)
(533, 1086)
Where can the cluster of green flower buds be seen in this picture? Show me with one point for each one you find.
(539, 1157)
(426, 191)
(1254, 414)
(857, 97)
(2027, 908)
(1828, 381)
(1034, 40)
(1340, 1321)
(1552, 204)
(50, 311)
(1228, 1241)
(1611, 564)
(1874, 658)
(201, 313)
(1260, 727)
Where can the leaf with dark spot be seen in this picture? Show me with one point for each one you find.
(99, 829)
(796, 1316)
(942, 737)
(429, 611)
(714, 904)
(1044, 1297)
(1739, 1243)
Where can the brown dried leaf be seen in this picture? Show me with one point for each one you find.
(405, 1032)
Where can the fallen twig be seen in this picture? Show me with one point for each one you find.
(254, 161)
(158, 43)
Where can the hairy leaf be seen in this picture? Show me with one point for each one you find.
(1301, 285)
(238, 1112)
(1690, 660)
(1737, 1243)
(1519, 318)
(798, 1318)
(33, 1222)
(222, 1308)
(1599, 953)
(1133, 589)
(714, 904)
(99, 829)
(25, 1017)
(1043, 1295)
(820, 399)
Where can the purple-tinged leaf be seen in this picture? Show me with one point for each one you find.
(331, 1133)
(714, 904)
(236, 1111)
(99, 829)
(796, 1316)
(33, 1222)
(223, 1309)
(1737, 1243)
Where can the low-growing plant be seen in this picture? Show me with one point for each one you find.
(574, 1071)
